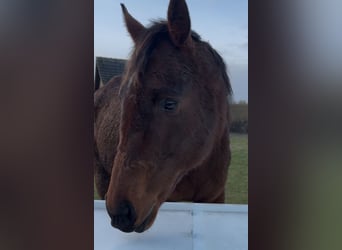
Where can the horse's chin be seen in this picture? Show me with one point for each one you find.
(148, 221)
(151, 216)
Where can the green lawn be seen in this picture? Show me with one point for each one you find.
(237, 183)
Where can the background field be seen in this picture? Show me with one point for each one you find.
(237, 184)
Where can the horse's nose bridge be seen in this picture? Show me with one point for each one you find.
(131, 130)
(122, 161)
(131, 140)
(129, 157)
(123, 175)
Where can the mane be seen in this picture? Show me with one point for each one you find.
(158, 31)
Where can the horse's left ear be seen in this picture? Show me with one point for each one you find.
(134, 28)
(179, 22)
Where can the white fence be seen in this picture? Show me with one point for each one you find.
(179, 226)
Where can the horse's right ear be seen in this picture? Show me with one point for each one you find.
(179, 22)
(134, 28)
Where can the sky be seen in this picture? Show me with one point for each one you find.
(222, 23)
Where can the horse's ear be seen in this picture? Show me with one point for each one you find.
(179, 22)
(134, 28)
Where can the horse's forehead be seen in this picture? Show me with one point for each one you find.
(163, 67)
(166, 65)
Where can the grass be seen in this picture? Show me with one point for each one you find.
(237, 183)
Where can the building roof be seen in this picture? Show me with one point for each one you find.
(106, 68)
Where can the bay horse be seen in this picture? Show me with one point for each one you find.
(161, 130)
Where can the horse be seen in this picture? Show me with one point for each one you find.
(161, 129)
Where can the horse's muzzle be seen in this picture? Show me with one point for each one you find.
(124, 217)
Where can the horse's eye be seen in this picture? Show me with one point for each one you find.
(168, 105)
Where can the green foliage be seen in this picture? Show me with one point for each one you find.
(239, 118)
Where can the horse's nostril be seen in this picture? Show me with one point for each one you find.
(124, 217)
(125, 208)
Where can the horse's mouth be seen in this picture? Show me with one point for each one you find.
(147, 221)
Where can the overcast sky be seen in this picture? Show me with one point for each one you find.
(223, 23)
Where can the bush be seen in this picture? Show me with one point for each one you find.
(239, 118)
(239, 126)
